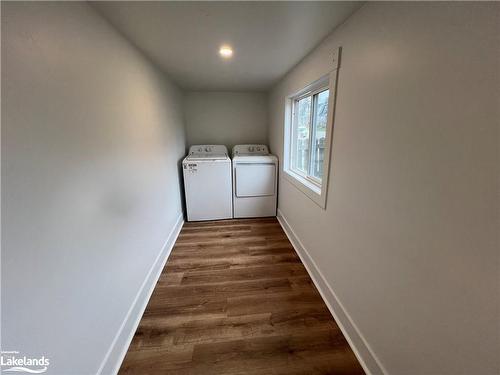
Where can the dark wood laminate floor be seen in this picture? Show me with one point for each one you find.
(234, 298)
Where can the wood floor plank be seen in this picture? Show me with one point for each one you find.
(276, 302)
(235, 299)
(248, 273)
(228, 289)
(302, 350)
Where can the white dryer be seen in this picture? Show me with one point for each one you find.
(207, 183)
(255, 176)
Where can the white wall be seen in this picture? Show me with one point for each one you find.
(227, 118)
(408, 241)
(91, 138)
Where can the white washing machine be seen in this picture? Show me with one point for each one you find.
(207, 183)
(255, 176)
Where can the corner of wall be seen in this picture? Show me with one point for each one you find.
(118, 348)
(358, 343)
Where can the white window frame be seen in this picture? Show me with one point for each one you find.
(315, 189)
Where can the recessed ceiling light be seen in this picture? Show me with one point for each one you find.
(226, 51)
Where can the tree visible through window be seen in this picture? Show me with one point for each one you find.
(309, 135)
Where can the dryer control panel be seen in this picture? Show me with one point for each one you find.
(250, 150)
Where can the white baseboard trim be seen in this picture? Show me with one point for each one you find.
(360, 347)
(118, 349)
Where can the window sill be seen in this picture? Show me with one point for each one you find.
(312, 191)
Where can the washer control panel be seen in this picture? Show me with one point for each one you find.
(207, 149)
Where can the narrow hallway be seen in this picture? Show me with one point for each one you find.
(234, 298)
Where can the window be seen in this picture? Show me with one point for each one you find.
(308, 129)
(309, 135)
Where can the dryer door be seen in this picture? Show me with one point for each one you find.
(255, 180)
